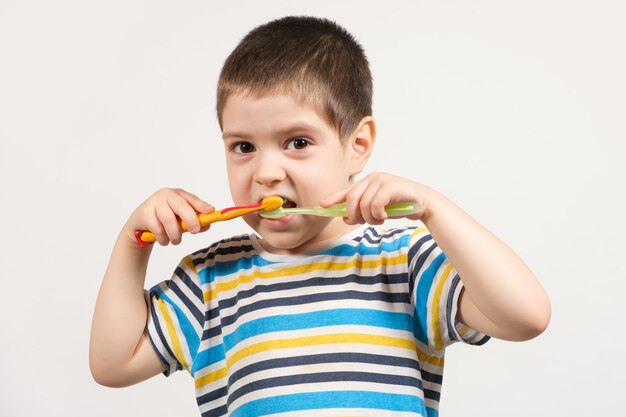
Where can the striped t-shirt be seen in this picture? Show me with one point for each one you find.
(356, 329)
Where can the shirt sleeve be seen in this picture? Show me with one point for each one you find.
(176, 317)
(435, 288)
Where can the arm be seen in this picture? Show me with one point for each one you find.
(120, 353)
(501, 296)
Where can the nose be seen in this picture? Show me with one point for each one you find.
(269, 170)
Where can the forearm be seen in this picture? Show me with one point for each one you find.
(498, 283)
(120, 314)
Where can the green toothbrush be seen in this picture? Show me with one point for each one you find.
(339, 210)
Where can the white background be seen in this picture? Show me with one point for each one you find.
(515, 110)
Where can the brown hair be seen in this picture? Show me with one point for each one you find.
(313, 60)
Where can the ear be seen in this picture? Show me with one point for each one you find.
(362, 143)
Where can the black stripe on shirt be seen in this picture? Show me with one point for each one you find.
(215, 412)
(212, 396)
(340, 357)
(197, 314)
(372, 236)
(323, 377)
(161, 336)
(386, 297)
(314, 282)
(430, 377)
(213, 253)
(420, 260)
(449, 305)
(197, 291)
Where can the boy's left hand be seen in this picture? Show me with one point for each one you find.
(366, 199)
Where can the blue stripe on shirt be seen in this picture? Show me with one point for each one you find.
(208, 357)
(191, 337)
(208, 274)
(330, 399)
(334, 317)
(424, 286)
(351, 250)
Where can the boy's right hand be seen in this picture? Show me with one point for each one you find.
(161, 212)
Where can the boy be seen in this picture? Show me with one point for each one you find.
(314, 316)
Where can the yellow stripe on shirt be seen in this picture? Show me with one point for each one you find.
(435, 307)
(302, 269)
(318, 340)
(210, 377)
(189, 262)
(331, 339)
(418, 231)
(178, 350)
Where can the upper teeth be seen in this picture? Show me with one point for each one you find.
(287, 202)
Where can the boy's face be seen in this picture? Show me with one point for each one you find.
(277, 146)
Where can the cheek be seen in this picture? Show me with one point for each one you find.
(237, 185)
(328, 177)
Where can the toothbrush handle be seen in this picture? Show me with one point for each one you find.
(339, 210)
(403, 209)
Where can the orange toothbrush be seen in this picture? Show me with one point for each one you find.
(145, 238)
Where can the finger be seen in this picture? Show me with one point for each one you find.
(379, 202)
(370, 204)
(364, 203)
(353, 199)
(181, 208)
(156, 228)
(196, 202)
(170, 223)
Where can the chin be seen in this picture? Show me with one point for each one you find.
(291, 233)
(282, 240)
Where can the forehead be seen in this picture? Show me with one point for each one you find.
(247, 115)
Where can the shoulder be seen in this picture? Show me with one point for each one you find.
(224, 250)
(380, 239)
(386, 235)
(413, 240)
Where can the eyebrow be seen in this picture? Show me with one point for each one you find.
(289, 130)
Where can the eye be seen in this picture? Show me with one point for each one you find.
(242, 147)
(297, 143)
